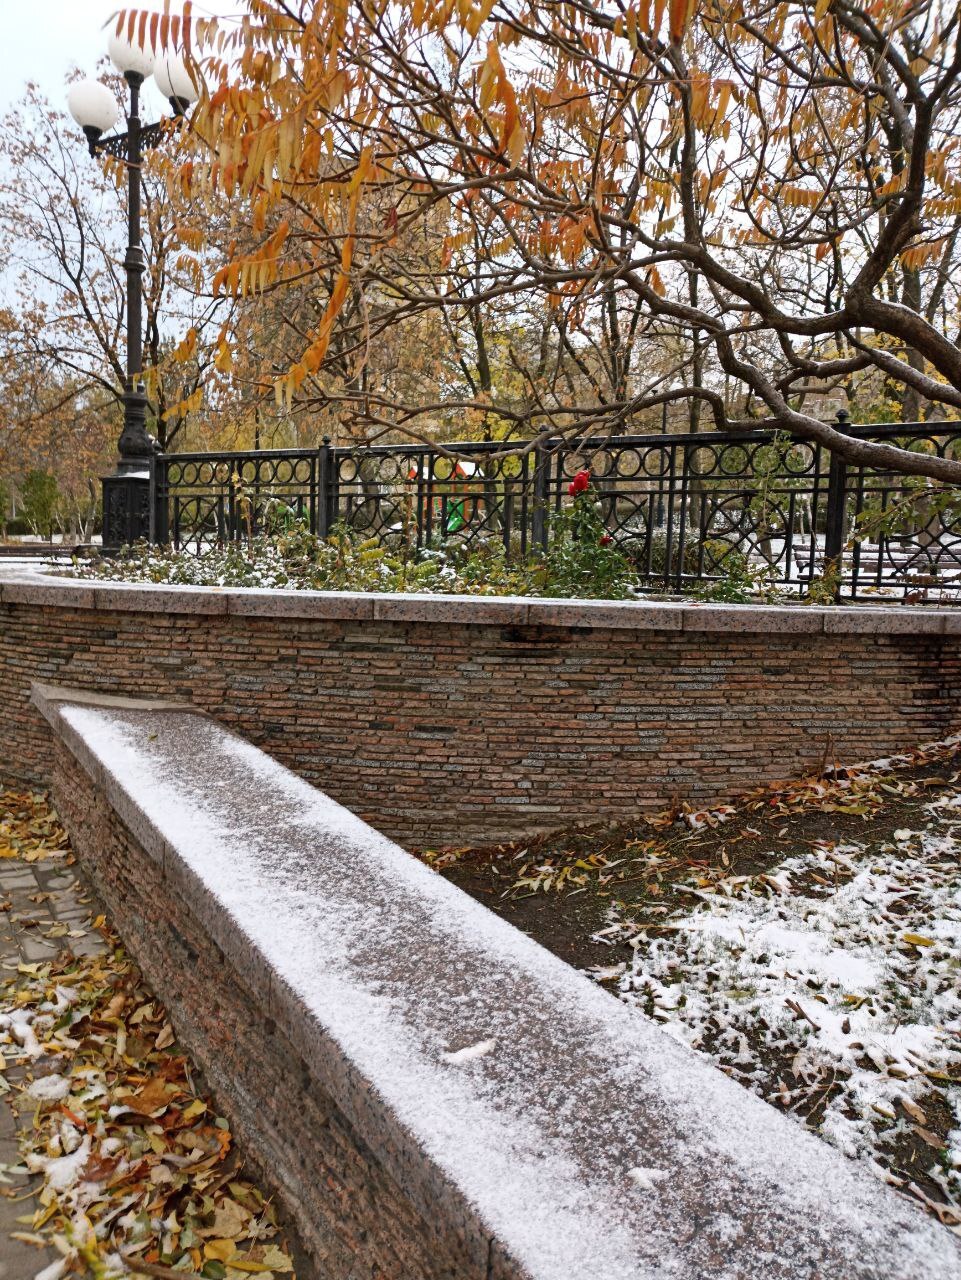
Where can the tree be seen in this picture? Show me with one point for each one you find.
(63, 223)
(774, 192)
(38, 497)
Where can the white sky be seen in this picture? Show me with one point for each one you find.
(42, 39)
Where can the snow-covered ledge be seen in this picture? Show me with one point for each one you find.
(23, 585)
(433, 1093)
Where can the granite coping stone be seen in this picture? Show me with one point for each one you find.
(25, 586)
(554, 1131)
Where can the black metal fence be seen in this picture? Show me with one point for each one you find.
(688, 509)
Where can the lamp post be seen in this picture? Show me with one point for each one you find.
(126, 493)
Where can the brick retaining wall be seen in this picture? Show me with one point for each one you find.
(454, 721)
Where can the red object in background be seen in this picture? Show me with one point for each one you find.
(579, 484)
(605, 540)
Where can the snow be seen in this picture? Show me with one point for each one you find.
(471, 1052)
(850, 990)
(61, 1172)
(54, 1270)
(19, 1025)
(52, 1088)
(646, 1179)
(393, 966)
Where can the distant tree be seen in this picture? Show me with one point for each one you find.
(63, 226)
(39, 495)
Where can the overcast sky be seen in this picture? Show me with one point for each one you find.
(43, 39)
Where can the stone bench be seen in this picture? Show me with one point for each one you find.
(432, 1093)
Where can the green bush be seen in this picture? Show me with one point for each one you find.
(581, 560)
(39, 495)
(635, 548)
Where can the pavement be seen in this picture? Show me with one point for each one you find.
(41, 896)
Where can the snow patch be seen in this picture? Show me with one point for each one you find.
(468, 1054)
(52, 1088)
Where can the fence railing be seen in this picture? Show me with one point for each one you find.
(684, 507)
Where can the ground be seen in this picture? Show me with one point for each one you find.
(109, 1145)
(806, 938)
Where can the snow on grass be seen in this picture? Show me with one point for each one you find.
(832, 988)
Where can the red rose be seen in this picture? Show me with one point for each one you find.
(579, 484)
(605, 540)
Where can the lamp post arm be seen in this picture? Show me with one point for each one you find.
(115, 144)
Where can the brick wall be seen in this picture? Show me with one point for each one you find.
(449, 730)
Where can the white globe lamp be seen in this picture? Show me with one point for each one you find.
(175, 81)
(94, 108)
(129, 59)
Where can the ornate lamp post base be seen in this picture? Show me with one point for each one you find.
(126, 509)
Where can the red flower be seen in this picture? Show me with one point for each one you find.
(605, 540)
(579, 484)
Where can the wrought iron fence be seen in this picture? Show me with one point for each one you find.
(685, 508)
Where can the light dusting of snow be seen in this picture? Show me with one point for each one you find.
(19, 1026)
(61, 1172)
(851, 990)
(393, 965)
(54, 1271)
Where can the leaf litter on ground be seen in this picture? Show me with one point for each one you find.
(137, 1171)
(806, 937)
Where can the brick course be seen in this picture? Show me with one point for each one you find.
(452, 732)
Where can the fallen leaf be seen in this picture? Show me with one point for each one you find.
(220, 1250)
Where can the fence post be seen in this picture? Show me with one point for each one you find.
(157, 534)
(836, 511)
(541, 498)
(325, 489)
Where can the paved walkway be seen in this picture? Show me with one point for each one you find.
(35, 898)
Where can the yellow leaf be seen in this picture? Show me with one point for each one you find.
(276, 1259)
(230, 1220)
(917, 940)
(221, 1250)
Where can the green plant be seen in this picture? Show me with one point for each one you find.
(741, 580)
(39, 495)
(582, 558)
(651, 557)
(825, 587)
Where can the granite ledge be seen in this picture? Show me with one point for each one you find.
(48, 591)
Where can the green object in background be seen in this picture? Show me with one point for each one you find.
(456, 519)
